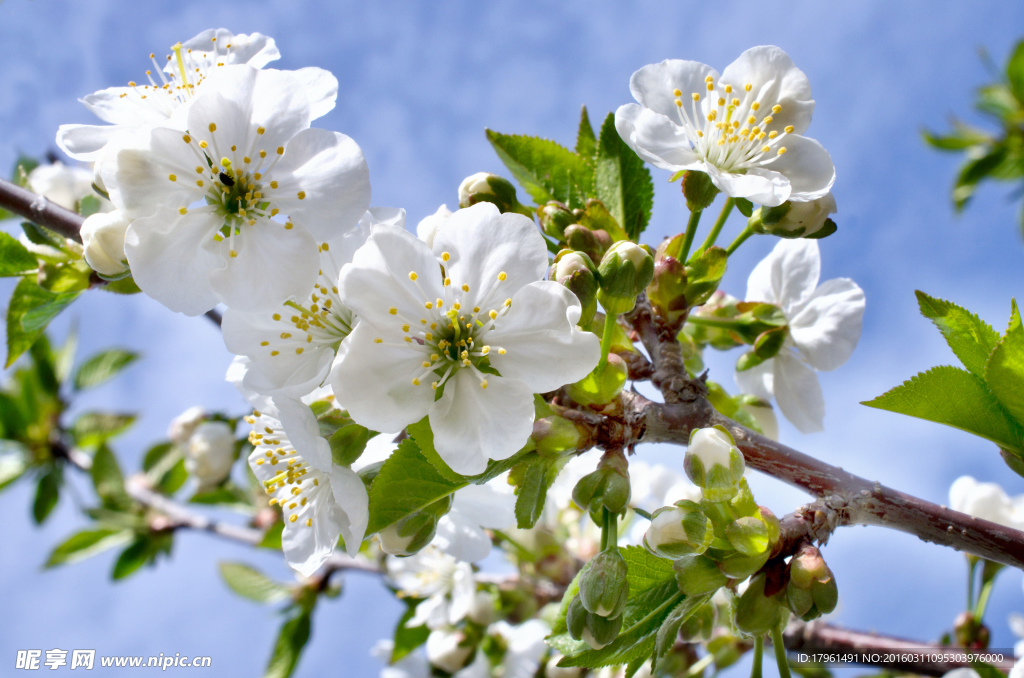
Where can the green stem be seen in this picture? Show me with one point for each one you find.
(717, 228)
(606, 341)
(712, 321)
(612, 521)
(740, 239)
(972, 563)
(755, 669)
(780, 653)
(604, 528)
(691, 230)
(986, 591)
(697, 669)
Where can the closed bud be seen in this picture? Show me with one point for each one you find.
(555, 217)
(607, 487)
(739, 566)
(592, 243)
(748, 535)
(554, 436)
(714, 463)
(625, 270)
(577, 272)
(603, 585)
(756, 613)
(448, 649)
(812, 590)
(410, 534)
(667, 290)
(601, 630)
(697, 575)
(210, 453)
(103, 243)
(797, 219)
(679, 530)
(699, 190)
(485, 187)
(700, 625)
(576, 618)
(601, 386)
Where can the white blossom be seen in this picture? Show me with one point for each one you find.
(445, 584)
(231, 200)
(987, 501)
(291, 349)
(412, 665)
(420, 330)
(182, 426)
(744, 128)
(447, 649)
(320, 500)
(210, 453)
(184, 76)
(824, 327)
(103, 243)
(427, 228)
(64, 185)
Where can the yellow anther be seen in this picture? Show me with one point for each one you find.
(782, 150)
(483, 384)
(457, 306)
(285, 335)
(225, 163)
(679, 103)
(187, 139)
(246, 160)
(765, 149)
(428, 305)
(172, 177)
(393, 311)
(199, 183)
(711, 86)
(378, 340)
(768, 120)
(748, 87)
(274, 212)
(309, 522)
(434, 356)
(257, 176)
(294, 515)
(754, 106)
(440, 303)
(213, 127)
(465, 288)
(728, 89)
(493, 314)
(751, 120)
(485, 350)
(263, 153)
(447, 282)
(415, 382)
(721, 101)
(426, 363)
(202, 144)
(405, 327)
(302, 195)
(273, 184)
(429, 336)
(709, 78)
(445, 256)
(326, 247)
(772, 134)
(502, 276)
(788, 129)
(233, 253)
(274, 352)
(299, 350)
(735, 102)
(508, 302)
(264, 343)
(696, 97)
(288, 226)
(408, 340)
(677, 93)
(776, 108)
(260, 130)
(183, 210)
(699, 133)
(412, 275)
(233, 147)
(280, 150)
(501, 351)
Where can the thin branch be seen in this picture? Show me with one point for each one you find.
(821, 637)
(844, 498)
(39, 210)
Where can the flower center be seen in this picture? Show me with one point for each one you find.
(730, 130)
(185, 71)
(290, 487)
(451, 330)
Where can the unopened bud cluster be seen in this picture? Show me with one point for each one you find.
(607, 487)
(485, 187)
(796, 219)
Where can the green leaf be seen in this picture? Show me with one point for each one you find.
(545, 169)
(86, 544)
(534, 476)
(645, 570)
(1005, 370)
(14, 258)
(586, 141)
(290, 640)
(103, 366)
(250, 583)
(703, 275)
(973, 171)
(408, 639)
(424, 437)
(108, 480)
(622, 182)
(38, 317)
(172, 481)
(41, 235)
(962, 138)
(123, 286)
(27, 295)
(89, 205)
(155, 455)
(272, 537)
(65, 355)
(745, 207)
(970, 337)
(348, 443)
(1015, 75)
(47, 494)
(22, 167)
(954, 397)
(669, 630)
(64, 276)
(132, 558)
(986, 670)
(12, 462)
(94, 428)
(229, 495)
(406, 482)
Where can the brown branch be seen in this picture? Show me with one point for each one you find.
(844, 498)
(39, 210)
(821, 637)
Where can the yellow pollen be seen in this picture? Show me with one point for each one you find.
(447, 282)
(302, 195)
(721, 101)
(429, 336)
(274, 212)
(299, 350)
(274, 352)
(225, 162)
(413, 276)
(246, 160)
(286, 335)
(728, 89)
(260, 130)
(768, 120)
(493, 314)
(710, 78)
(433, 385)
(748, 87)
(751, 120)
(326, 247)
(735, 102)
(754, 106)
(679, 103)
(187, 139)
(257, 176)
(696, 97)
(773, 134)
(457, 306)
(378, 340)
(788, 129)
(287, 226)
(273, 184)
(415, 382)
(502, 276)
(309, 522)
(408, 340)
(280, 150)
(172, 177)
(183, 210)
(294, 516)
(199, 183)
(426, 363)
(776, 108)
(465, 288)
(202, 144)
(440, 303)
(483, 384)
(264, 343)
(711, 86)
(782, 150)
(263, 153)
(501, 351)
(677, 92)
(233, 253)
(765, 149)
(393, 311)
(445, 256)
(405, 327)
(213, 127)
(199, 170)
(428, 305)
(233, 147)
(434, 356)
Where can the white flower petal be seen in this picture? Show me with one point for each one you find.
(484, 244)
(655, 138)
(86, 142)
(256, 49)
(328, 170)
(168, 260)
(798, 392)
(427, 228)
(272, 265)
(122, 106)
(827, 327)
(808, 166)
(787, 276)
(374, 382)
(350, 494)
(774, 79)
(473, 424)
(758, 185)
(543, 346)
(303, 432)
(462, 539)
(306, 548)
(321, 88)
(136, 171)
(653, 85)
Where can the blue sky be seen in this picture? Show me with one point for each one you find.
(419, 82)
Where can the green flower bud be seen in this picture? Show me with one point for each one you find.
(555, 435)
(601, 630)
(714, 463)
(607, 487)
(756, 613)
(603, 586)
(697, 575)
(679, 530)
(577, 272)
(796, 219)
(699, 190)
(410, 534)
(700, 625)
(596, 217)
(667, 290)
(748, 535)
(739, 566)
(743, 502)
(626, 269)
(576, 618)
(601, 386)
(812, 589)
(592, 243)
(485, 187)
(555, 217)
